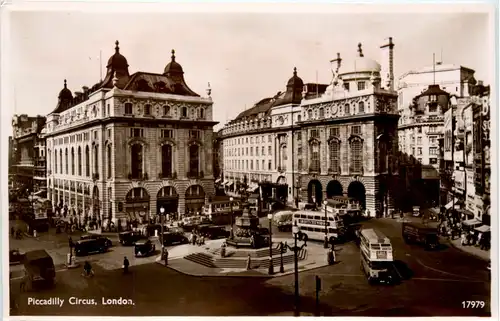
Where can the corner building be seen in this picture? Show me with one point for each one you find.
(130, 145)
(339, 139)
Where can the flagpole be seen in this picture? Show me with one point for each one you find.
(100, 64)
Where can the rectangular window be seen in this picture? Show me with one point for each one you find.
(433, 161)
(263, 151)
(314, 133)
(147, 109)
(361, 85)
(109, 110)
(251, 151)
(128, 108)
(419, 140)
(299, 136)
(356, 130)
(269, 150)
(346, 86)
(419, 151)
(433, 151)
(246, 151)
(269, 139)
(419, 130)
(136, 132)
(257, 151)
(167, 133)
(334, 132)
(269, 165)
(299, 164)
(263, 164)
(194, 134)
(257, 165)
(251, 165)
(109, 133)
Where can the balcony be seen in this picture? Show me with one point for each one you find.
(332, 171)
(167, 175)
(315, 170)
(138, 176)
(194, 174)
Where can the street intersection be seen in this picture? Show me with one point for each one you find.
(434, 284)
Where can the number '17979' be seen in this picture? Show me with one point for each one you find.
(473, 304)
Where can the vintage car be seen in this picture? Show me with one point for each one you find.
(38, 270)
(97, 237)
(171, 238)
(91, 246)
(129, 237)
(144, 247)
(212, 231)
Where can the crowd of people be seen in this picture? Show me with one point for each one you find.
(451, 225)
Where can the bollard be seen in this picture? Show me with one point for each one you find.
(156, 233)
(73, 261)
(68, 260)
(34, 233)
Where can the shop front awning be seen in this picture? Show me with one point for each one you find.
(472, 222)
(483, 228)
(450, 204)
(229, 183)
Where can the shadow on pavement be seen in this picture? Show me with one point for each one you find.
(403, 270)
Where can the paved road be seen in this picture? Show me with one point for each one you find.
(435, 284)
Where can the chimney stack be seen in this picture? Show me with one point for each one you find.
(387, 70)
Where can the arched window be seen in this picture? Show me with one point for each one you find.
(96, 159)
(137, 160)
(194, 160)
(201, 113)
(334, 156)
(309, 114)
(361, 107)
(109, 159)
(60, 162)
(347, 109)
(87, 161)
(166, 160)
(314, 150)
(55, 162)
(166, 110)
(66, 164)
(356, 155)
(72, 161)
(184, 112)
(79, 161)
(299, 118)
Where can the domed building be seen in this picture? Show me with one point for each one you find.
(129, 145)
(316, 141)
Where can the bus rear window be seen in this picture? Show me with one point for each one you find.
(386, 245)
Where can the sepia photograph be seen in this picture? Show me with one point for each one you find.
(286, 159)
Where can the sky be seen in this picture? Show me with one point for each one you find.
(246, 56)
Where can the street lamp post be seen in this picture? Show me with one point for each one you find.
(296, 249)
(231, 236)
(271, 267)
(282, 248)
(325, 245)
(162, 211)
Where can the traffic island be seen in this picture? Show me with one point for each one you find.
(245, 262)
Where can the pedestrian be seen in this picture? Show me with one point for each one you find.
(126, 264)
(194, 238)
(249, 262)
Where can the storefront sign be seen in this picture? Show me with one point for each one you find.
(459, 179)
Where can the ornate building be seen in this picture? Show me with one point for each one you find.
(130, 145)
(28, 154)
(318, 141)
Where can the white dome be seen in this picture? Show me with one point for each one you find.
(360, 64)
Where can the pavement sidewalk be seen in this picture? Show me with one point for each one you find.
(471, 249)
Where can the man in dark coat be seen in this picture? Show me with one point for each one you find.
(126, 264)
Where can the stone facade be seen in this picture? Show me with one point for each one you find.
(125, 150)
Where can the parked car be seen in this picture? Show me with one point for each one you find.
(97, 237)
(171, 238)
(213, 231)
(38, 270)
(144, 247)
(90, 246)
(129, 237)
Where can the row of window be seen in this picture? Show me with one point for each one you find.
(74, 166)
(432, 151)
(165, 133)
(165, 111)
(74, 138)
(347, 110)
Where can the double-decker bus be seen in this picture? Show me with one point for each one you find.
(312, 224)
(343, 205)
(376, 256)
(220, 211)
